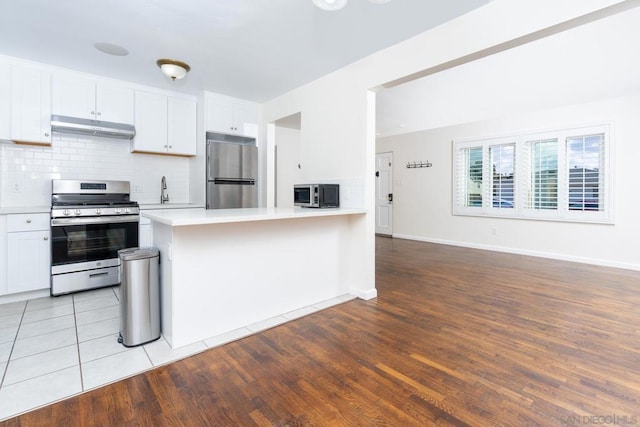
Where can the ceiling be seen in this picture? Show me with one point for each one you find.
(579, 64)
(251, 49)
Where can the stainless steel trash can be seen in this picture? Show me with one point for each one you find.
(139, 296)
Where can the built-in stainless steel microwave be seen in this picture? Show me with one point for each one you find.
(316, 195)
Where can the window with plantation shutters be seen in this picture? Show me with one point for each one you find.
(556, 175)
(502, 175)
(541, 174)
(586, 173)
(469, 168)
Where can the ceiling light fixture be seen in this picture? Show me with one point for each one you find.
(173, 69)
(330, 4)
(339, 4)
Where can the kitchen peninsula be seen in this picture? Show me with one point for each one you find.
(222, 270)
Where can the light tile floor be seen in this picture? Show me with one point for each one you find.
(54, 348)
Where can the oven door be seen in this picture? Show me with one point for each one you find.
(85, 240)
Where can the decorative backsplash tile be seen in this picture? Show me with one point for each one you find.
(26, 171)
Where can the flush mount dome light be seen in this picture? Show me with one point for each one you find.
(173, 69)
(330, 4)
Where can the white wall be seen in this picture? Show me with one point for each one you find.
(70, 157)
(338, 120)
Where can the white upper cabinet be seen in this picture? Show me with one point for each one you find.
(30, 105)
(220, 116)
(3, 254)
(181, 132)
(76, 95)
(5, 101)
(151, 122)
(114, 102)
(230, 115)
(164, 124)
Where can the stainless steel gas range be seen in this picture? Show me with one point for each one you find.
(90, 222)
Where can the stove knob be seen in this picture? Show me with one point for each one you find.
(118, 211)
(127, 210)
(77, 211)
(66, 212)
(98, 211)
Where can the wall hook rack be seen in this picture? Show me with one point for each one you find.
(420, 164)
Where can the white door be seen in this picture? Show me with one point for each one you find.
(384, 193)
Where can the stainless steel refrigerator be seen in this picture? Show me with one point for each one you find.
(232, 172)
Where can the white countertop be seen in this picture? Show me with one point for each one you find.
(25, 210)
(181, 217)
(156, 206)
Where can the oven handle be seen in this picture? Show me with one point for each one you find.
(94, 220)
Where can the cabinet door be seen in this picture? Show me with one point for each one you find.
(182, 126)
(145, 238)
(28, 260)
(114, 102)
(30, 105)
(3, 254)
(73, 95)
(151, 123)
(5, 101)
(219, 116)
(245, 118)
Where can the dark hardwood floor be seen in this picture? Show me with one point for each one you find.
(456, 337)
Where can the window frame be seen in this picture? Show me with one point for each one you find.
(522, 183)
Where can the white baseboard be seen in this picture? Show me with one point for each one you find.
(365, 295)
(23, 296)
(540, 254)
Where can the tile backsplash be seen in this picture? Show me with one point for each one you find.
(26, 171)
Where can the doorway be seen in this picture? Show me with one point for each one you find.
(288, 168)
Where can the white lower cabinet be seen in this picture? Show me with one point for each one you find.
(3, 254)
(28, 253)
(145, 238)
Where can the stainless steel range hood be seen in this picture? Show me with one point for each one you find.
(78, 126)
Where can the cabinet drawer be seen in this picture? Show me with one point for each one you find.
(28, 222)
(89, 279)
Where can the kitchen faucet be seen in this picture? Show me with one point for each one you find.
(164, 197)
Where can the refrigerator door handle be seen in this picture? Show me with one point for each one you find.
(231, 181)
